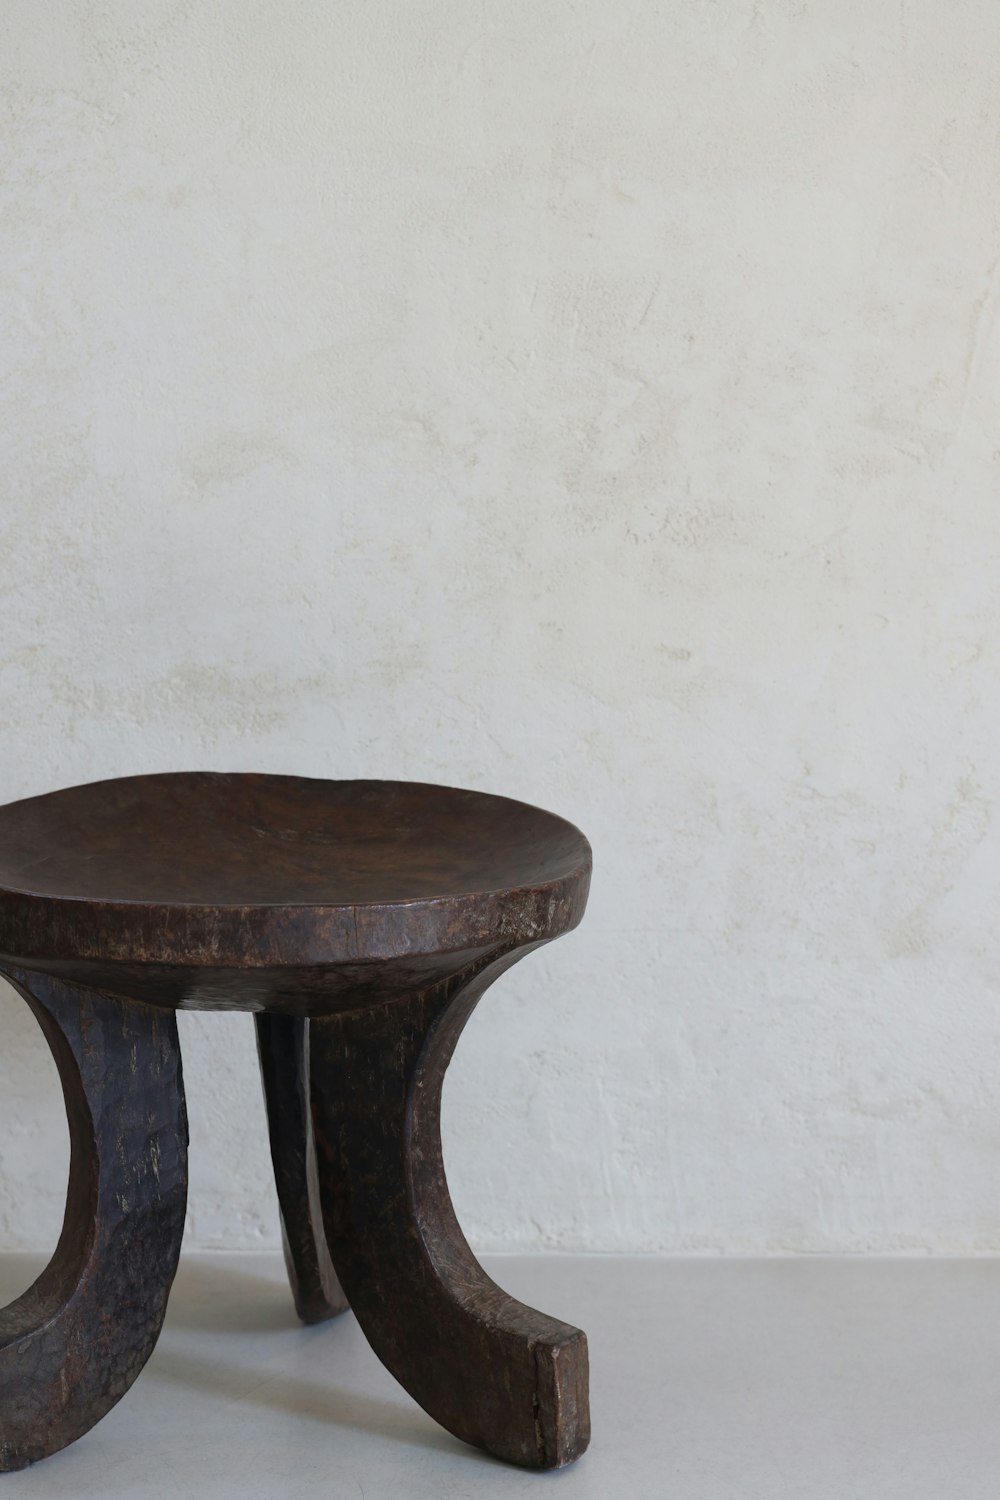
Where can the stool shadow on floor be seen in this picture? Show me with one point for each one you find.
(18, 1269)
(330, 1405)
(216, 1299)
(219, 1299)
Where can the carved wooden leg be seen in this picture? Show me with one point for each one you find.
(490, 1370)
(71, 1346)
(283, 1048)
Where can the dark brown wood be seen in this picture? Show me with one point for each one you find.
(71, 1346)
(492, 1371)
(361, 922)
(283, 1049)
(196, 872)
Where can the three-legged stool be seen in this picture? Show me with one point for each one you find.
(360, 921)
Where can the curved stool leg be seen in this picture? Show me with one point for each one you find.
(492, 1371)
(283, 1049)
(71, 1346)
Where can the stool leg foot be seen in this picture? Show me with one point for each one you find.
(492, 1371)
(283, 1049)
(71, 1346)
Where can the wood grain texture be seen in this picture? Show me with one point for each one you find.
(195, 871)
(72, 1345)
(492, 1371)
(283, 1049)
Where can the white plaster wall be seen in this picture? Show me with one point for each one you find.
(595, 402)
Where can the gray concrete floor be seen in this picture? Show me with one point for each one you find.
(712, 1379)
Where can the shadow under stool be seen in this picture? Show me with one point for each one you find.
(361, 922)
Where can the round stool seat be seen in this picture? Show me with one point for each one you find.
(195, 872)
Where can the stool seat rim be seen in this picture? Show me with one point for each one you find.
(244, 869)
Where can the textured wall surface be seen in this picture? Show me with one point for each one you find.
(595, 402)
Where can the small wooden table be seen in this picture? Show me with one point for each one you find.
(360, 921)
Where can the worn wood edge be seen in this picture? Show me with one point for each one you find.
(42, 927)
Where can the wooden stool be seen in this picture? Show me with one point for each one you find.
(360, 921)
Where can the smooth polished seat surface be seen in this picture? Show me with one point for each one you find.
(204, 870)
